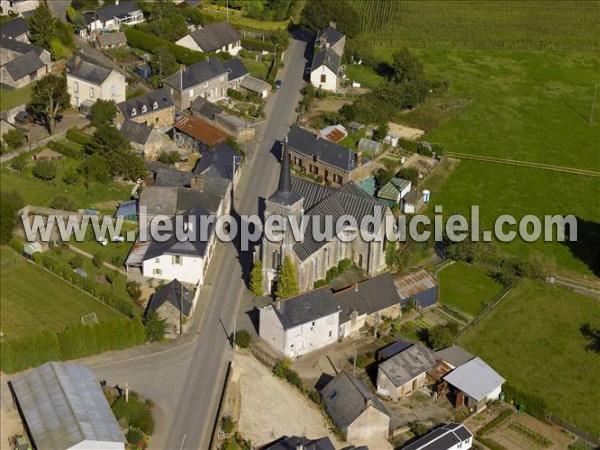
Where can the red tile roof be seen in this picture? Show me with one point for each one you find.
(200, 130)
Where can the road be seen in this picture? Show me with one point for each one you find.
(186, 380)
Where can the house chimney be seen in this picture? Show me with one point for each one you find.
(333, 24)
(358, 158)
(77, 59)
(197, 182)
(368, 402)
(355, 287)
(278, 304)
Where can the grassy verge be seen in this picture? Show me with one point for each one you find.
(16, 97)
(532, 337)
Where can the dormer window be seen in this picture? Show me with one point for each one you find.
(144, 109)
(133, 112)
(155, 105)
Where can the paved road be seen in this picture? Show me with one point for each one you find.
(59, 8)
(186, 381)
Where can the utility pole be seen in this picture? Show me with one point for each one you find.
(354, 362)
(593, 104)
(233, 344)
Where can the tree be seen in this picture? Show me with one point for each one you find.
(49, 99)
(19, 162)
(359, 48)
(381, 131)
(133, 289)
(44, 170)
(406, 66)
(42, 27)
(287, 286)
(169, 157)
(98, 260)
(442, 335)
(13, 139)
(318, 14)
(85, 5)
(95, 168)
(155, 327)
(409, 173)
(103, 112)
(227, 424)
(592, 335)
(164, 62)
(76, 261)
(64, 202)
(70, 176)
(256, 279)
(10, 204)
(243, 339)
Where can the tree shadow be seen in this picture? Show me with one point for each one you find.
(323, 381)
(585, 248)
(592, 336)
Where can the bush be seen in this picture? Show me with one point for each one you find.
(134, 436)
(236, 95)
(442, 335)
(136, 413)
(98, 260)
(227, 424)
(243, 339)
(169, 157)
(63, 202)
(418, 428)
(76, 261)
(74, 135)
(65, 150)
(149, 43)
(411, 146)
(44, 170)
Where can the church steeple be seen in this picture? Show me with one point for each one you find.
(284, 194)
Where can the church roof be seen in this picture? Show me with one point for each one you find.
(284, 195)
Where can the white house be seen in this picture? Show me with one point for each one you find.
(325, 70)
(112, 16)
(214, 37)
(453, 436)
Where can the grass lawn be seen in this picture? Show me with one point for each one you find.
(532, 339)
(16, 97)
(467, 287)
(258, 69)
(113, 252)
(364, 75)
(34, 300)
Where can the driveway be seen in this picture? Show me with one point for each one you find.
(59, 8)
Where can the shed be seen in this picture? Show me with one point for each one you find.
(394, 191)
(63, 407)
(259, 87)
(368, 145)
(333, 133)
(355, 127)
(32, 247)
(417, 285)
(127, 211)
(111, 40)
(391, 139)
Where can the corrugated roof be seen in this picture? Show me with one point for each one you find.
(414, 283)
(63, 405)
(200, 130)
(407, 364)
(393, 188)
(475, 378)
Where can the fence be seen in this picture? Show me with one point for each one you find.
(586, 436)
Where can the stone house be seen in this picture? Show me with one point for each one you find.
(23, 70)
(220, 161)
(144, 140)
(111, 40)
(236, 72)
(214, 37)
(356, 411)
(330, 37)
(207, 79)
(11, 49)
(405, 372)
(334, 164)
(174, 303)
(155, 109)
(236, 127)
(197, 134)
(15, 29)
(87, 81)
(325, 71)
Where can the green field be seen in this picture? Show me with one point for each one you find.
(532, 339)
(545, 24)
(16, 97)
(33, 300)
(467, 287)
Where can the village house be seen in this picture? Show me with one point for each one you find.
(88, 81)
(330, 37)
(15, 29)
(319, 157)
(325, 70)
(452, 436)
(236, 72)
(175, 304)
(111, 40)
(145, 140)
(297, 197)
(207, 79)
(405, 372)
(214, 37)
(323, 316)
(300, 442)
(356, 411)
(22, 63)
(197, 134)
(112, 16)
(256, 86)
(417, 286)
(236, 127)
(221, 161)
(62, 406)
(155, 109)
(17, 7)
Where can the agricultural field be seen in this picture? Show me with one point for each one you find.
(467, 287)
(43, 302)
(533, 340)
(545, 24)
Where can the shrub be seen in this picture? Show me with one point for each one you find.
(64, 150)
(411, 146)
(134, 436)
(74, 135)
(236, 95)
(98, 260)
(44, 170)
(149, 43)
(63, 202)
(418, 428)
(169, 157)
(243, 339)
(227, 424)
(76, 261)
(136, 413)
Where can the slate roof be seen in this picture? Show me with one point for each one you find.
(173, 293)
(295, 442)
(236, 69)
(20, 47)
(407, 364)
(87, 69)
(305, 308)
(255, 84)
(160, 96)
(454, 355)
(108, 12)
(214, 36)
(312, 193)
(393, 349)
(475, 378)
(285, 195)
(330, 35)
(367, 297)
(443, 438)
(205, 108)
(308, 144)
(138, 133)
(14, 28)
(217, 162)
(197, 73)
(346, 398)
(327, 57)
(63, 405)
(112, 39)
(24, 65)
(200, 130)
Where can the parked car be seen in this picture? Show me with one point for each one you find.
(278, 84)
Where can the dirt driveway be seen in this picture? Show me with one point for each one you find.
(271, 407)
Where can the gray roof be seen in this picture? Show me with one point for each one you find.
(454, 355)
(165, 176)
(214, 36)
(327, 57)
(407, 364)
(24, 65)
(255, 84)
(20, 47)
(443, 438)
(205, 108)
(393, 349)
(236, 68)
(63, 405)
(160, 97)
(138, 133)
(87, 69)
(368, 297)
(107, 12)
(306, 308)
(112, 38)
(285, 195)
(14, 28)
(293, 443)
(309, 144)
(330, 35)
(217, 162)
(346, 398)
(175, 294)
(369, 145)
(197, 73)
(475, 378)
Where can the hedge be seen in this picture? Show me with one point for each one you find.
(236, 95)
(74, 342)
(74, 135)
(149, 43)
(259, 44)
(411, 146)
(532, 404)
(495, 422)
(64, 150)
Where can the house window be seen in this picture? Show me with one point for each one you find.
(76, 101)
(314, 170)
(191, 93)
(92, 93)
(337, 179)
(113, 90)
(330, 333)
(330, 320)
(157, 272)
(177, 260)
(144, 109)
(155, 105)
(313, 324)
(133, 112)
(221, 78)
(76, 86)
(323, 78)
(156, 260)
(206, 84)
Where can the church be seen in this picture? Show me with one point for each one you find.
(298, 197)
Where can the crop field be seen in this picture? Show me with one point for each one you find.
(545, 24)
(33, 300)
(532, 339)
